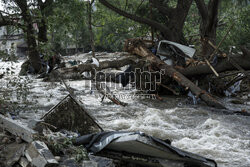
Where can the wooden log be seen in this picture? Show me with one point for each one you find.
(103, 65)
(138, 47)
(223, 65)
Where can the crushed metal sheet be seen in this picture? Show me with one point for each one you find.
(185, 49)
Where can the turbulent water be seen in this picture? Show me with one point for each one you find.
(225, 138)
(216, 135)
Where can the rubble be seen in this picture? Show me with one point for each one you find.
(89, 164)
(110, 149)
(39, 155)
(31, 152)
(17, 128)
(24, 162)
(13, 152)
(36, 152)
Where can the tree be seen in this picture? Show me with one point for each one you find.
(208, 26)
(24, 14)
(236, 13)
(92, 42)
(169, 20)
(68, 26)
(44, 8)
(33, 53)
(111, 29)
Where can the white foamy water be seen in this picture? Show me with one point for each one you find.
(224, 138)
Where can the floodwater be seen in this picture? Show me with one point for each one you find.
(216, 135)
(197, 129)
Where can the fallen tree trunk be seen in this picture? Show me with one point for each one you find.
(103, 65)
(138, 47)
(224, 65)
(104, 90)
(75, 72)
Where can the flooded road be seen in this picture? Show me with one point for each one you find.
(197, 129)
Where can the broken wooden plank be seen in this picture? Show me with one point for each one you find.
(17, 128)
(105, 91)
(212, 68)
(39, 154)
(216, 49)
(224, 55)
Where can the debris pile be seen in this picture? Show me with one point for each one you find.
(22, 147)
(173, 69)
(57, 141)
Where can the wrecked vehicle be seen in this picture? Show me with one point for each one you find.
(173, 53)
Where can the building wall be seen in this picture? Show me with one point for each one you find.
(10, 40)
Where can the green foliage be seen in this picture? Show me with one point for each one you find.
(4, 55)
(46, 49)
(67, 25)
(20, 89)
(192, 26)
(230, 12)
(112, 29)
(65, 145)
(240, 33)
(67, 22)
(81, 154)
